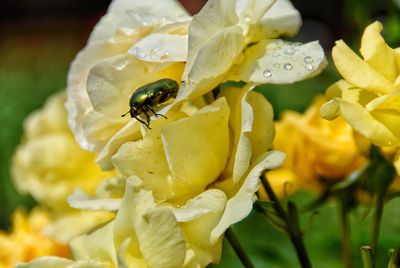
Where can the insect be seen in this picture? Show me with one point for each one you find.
(150, 95)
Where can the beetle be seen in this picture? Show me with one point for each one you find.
(150, 95)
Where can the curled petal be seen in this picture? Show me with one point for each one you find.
(377, 53)
(81, 200)
(279, 62)
(365, 123)
(240, 205)
(358, 72)
(281, 19)
(134, 14)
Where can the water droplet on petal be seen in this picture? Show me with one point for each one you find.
(275, 54)
(287, 66)
(308, 59)
(119, 65)
(277, 65)
(309, 67)
(296, 44)
(267, 74)
(141, 54)
(289, 51)
(135, 50)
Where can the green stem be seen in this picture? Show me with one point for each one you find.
(344, 222)
(380, 202)
(294, 232)
(237, 247)
(367, 257)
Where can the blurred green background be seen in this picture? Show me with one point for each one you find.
(39, 39)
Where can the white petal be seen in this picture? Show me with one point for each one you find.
(281, 19)
(160, 47)
(136, 13)
(206, 202)
(81, 200)
(240, 205)
(279, 62)
(48, 261)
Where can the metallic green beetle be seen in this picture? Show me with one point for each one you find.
(150, 95)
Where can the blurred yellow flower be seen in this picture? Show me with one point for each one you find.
(26, 240)
(316, 149)
(49, 164)
(368, 97)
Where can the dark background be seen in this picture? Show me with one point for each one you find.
(39, 39)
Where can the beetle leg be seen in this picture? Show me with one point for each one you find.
(144, 123)
(156, 114)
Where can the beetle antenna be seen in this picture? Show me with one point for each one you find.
(125, 113)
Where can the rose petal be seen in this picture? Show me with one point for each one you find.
(358, 72)
(281, 19)
(97, 247)
(134, 14)
(363, 122)
(159, 47)
(198, 157)
(279, 62)
(240, 205)
(48, 261)
(154, 228)
(377, 53)
(81, 200)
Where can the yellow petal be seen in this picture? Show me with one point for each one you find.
(389, 103)
(377, 53)
(358, 72)
(146, 159)
(279, 62)
(153, 230)
(362, 121)
(97, 246)
(240, 205)
(397, 162)
(198, 157)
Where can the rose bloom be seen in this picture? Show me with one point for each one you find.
(316, 149)
(368, 97)
(50, 165)
(27, 241)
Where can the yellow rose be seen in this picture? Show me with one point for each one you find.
(368, 97)
(26, 240)
(315, 149)
(201, 165)
(50, 165)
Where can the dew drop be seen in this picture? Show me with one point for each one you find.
(141, 54)
(287, 66)
(167, 53)
(308, 59)
(135, 50)
(277, 65)
(296, 44)
(267, 73)
(309, 67)
(289, 51)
